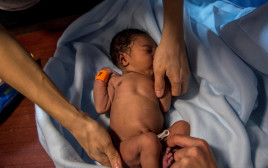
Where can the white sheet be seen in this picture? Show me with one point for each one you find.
(226, 103)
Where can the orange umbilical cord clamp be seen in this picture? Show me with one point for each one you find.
(103, 75)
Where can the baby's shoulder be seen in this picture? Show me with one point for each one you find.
(114, 80)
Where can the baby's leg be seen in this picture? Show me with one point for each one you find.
(141, 151)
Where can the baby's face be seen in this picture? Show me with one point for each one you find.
(142, 52)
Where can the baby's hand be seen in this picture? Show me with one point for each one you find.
(110, 71)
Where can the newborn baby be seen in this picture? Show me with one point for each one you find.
(136, 113)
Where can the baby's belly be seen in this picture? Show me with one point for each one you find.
(141, 116)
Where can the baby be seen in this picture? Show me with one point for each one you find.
(136, 113)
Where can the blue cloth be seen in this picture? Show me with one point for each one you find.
(7, 96)
(247, 3)
(226, 103)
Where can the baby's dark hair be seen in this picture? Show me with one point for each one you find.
(121, 42)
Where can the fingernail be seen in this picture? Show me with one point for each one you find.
(158, 93)
(116, 165)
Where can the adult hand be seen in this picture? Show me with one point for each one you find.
(194, 153)
(170, 57)
(91, 135)
(96, 142)
(170, 60)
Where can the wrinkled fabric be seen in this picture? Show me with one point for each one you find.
(17, 5)
(226, 102)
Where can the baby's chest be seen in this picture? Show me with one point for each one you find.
(135, 85)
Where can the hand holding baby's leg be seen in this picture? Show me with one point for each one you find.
(178, 128)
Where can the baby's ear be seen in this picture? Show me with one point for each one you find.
(124, 59)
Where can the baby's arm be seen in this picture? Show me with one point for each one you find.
(165, 101)
(103, 92)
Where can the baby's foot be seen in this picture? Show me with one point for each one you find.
(167, 158)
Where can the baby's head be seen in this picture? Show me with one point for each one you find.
(133, 50)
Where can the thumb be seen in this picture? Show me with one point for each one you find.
(114, 157)
(159, 84)
(183, 141)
